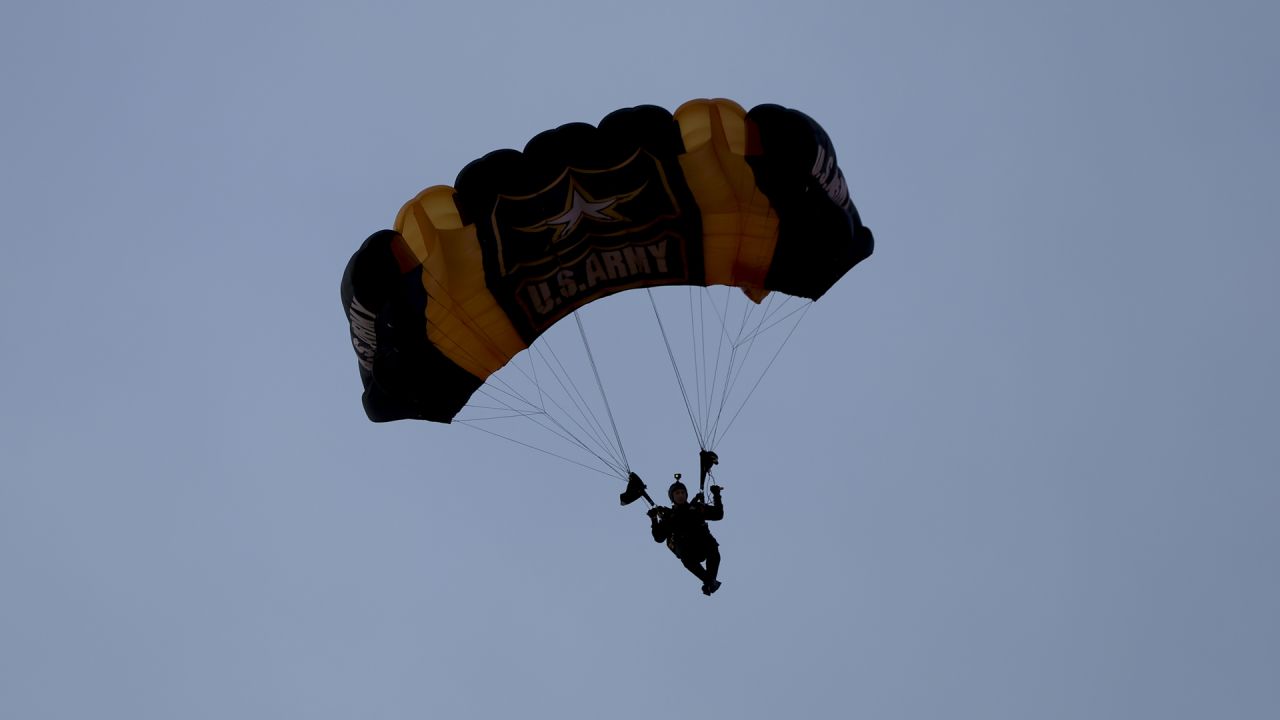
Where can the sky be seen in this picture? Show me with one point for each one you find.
(1022, 462)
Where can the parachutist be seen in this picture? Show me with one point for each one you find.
(683, 526)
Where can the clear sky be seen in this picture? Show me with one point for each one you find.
(1022, 463)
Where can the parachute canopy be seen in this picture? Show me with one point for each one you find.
(474, 273)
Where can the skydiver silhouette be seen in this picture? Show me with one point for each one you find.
(683, 526)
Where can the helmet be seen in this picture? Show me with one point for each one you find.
(677, 485)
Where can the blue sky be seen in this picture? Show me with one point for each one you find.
(1020, 463)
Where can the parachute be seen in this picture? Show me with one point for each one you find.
(472, 275)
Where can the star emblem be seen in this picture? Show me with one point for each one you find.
(582, 205)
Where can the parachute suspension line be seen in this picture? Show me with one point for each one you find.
(537, 417)
(471, 424)
(708, 379)
(693, 349)
(542, 418)
(596, 432)
(730, 367)
(558, 430)
(596, 370)
(500, 385)
(676, 367)
(722, 338)
(732, 380)
(734, 343)
(701, 368)
(457, 309)
(565, 433)
(536, 351)
(746, 339)
(803, 312)
(584, 409)
(531, 417)
(778, 312)
(537, 385)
